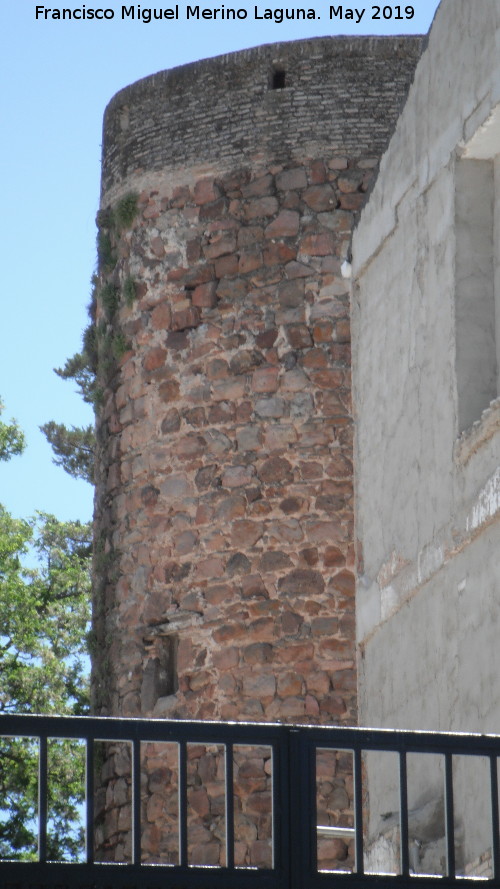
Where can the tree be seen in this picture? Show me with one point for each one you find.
(73, 448)
(44, 621)
(12, 439)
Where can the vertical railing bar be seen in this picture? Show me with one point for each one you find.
(403, 813)
(449, 815)
(42, 799)
(358, 811)
(89, 800)
(136, 801)
(495, 820)
(229, 805)
(183, 831)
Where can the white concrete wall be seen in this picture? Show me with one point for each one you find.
(428, 494)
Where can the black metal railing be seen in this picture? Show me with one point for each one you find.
(297, 831)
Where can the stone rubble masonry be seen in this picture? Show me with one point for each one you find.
(224, 504)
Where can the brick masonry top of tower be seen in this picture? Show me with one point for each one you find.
(274, 101)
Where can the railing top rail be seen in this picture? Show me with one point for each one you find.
(123, 729)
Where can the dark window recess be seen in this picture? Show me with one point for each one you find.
(278, 78)
(160, 673)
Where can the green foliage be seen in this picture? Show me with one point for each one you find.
(12, 439)
(125, 211)
(44, 619)
(120, 345)
(78, 368)
(73, 448)
(110, 297)
(129, 291)
(105, 253)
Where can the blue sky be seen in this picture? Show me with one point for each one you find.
(57, 77)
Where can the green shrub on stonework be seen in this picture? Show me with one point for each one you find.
(120, 345)
(105, 253)
(129, 292)
(90, 346)
(125, 211)
(110, 298)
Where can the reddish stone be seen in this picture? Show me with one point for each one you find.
(249, 261)
(232, 289)
(298, 270)
(290, 684)
(324, 626)
(285, 225)
(265, 379)
(276, 470)
(208, 568)
(252, 587)
(291, 504)
(333, 705)
(315, 358)
(213, 210)
(291, 624)
(291, 293)
(317, 244)
(157, 247)
(186, 319)
(226, 265)
(298, 336)
(320, 197)
(259, 686)
(291, 179)
(199, 274)
(338, 163)
(193, 250)
(246, 533)
(310, 555)
(317, 172)
(220, 245)
(258, 187)
(312, 706)
(226, 632)
(236, 476)
(322, 331)
(352, 201)
(205, 191)
(344, 582)
(261, 207)
(278, 253)
(267, 339)
(274, 560)
(333, 557)
(258, 653)
(161, 316)
(322, 532)
(204, 295)
(302, 581)
(350, 182)
(154, 359)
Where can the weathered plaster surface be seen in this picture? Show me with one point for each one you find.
(428, 489)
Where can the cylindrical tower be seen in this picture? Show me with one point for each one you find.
(224, 514)
(224, 548)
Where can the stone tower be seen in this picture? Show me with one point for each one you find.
(224, 511)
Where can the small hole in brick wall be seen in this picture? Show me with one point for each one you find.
(170, 645)
(189, 288)
(278, 78)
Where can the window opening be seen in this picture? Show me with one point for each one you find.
(278, 79)
(475, 310)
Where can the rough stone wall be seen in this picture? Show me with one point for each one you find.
(427, 494)
(224, 513)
